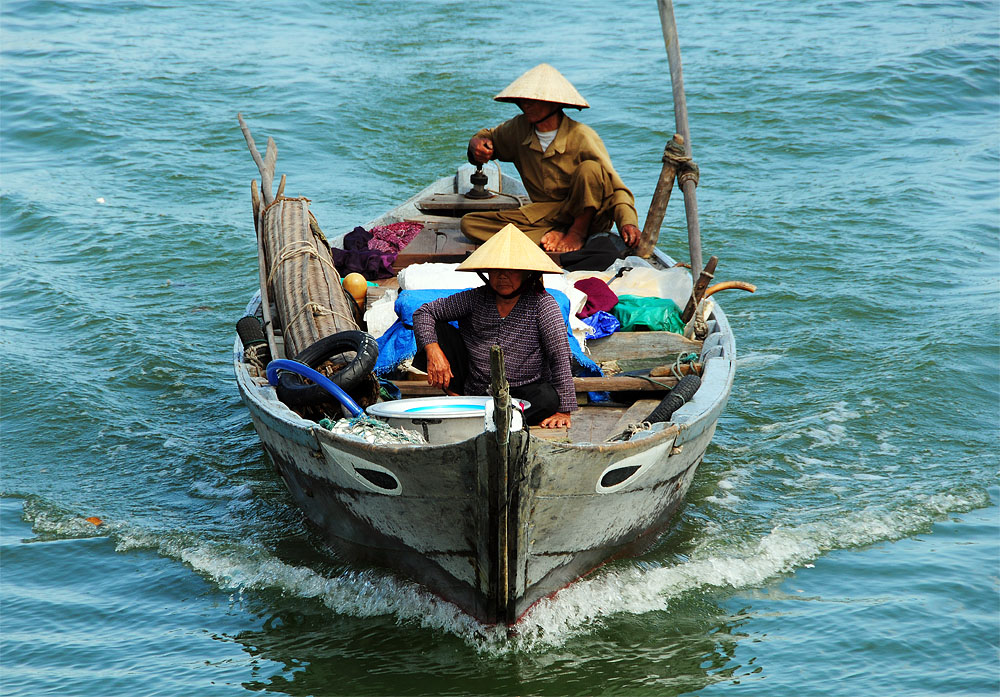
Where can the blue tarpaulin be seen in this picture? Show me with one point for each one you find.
(603, 323)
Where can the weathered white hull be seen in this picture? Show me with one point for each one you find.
(493, 542)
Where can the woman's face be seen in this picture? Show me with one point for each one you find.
(505, 281)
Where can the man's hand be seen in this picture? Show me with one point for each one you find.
(480, 150)
(438, 367)
(557, 420)
(630, 233)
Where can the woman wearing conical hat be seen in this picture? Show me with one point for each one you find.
(574, 190)
(512, 310)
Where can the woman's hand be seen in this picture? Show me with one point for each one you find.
(438, 367)
(557, 420)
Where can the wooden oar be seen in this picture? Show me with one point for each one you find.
(680, 115)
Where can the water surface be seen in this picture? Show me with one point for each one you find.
(841, 537)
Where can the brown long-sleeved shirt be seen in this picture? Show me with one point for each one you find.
(546, 175)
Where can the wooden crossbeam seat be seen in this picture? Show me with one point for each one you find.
(622, 346)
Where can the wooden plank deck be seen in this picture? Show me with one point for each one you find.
(634, 414)
(630, 345)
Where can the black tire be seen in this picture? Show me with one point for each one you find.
(255, 348)
(294, 392)
(250, 331)
(682, 393)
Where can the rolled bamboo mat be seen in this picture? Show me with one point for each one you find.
(302, 279)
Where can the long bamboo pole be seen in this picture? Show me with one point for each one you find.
(681, 117)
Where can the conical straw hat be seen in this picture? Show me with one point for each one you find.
(546, 84)
(510, 249)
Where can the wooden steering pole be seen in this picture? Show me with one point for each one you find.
(674, 159)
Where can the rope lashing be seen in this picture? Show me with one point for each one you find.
(290, 251)
(686, 168)
(280, 199)
(682, 359)
(313, 223)
(318, 311)
(630, 430)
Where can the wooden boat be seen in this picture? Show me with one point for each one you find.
(497, 520)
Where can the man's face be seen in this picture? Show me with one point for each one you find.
(536, 110)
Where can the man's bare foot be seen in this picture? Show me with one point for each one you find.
(571, 241)
(550, 239)
(559, 241)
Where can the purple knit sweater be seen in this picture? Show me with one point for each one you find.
(532, 336)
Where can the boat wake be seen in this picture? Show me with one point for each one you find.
(630, 588)
(642, 587)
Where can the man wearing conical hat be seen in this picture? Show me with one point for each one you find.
(574, 190)
(512, 310)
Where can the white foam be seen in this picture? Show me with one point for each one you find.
(633, 588)
(826, 428)
(833, 434)
(639, 589)
(223, 491)
(869, 477)
(757, 359)
(728, 500)
(837, 412)
(813, 466)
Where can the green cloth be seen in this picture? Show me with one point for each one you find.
(637, 313)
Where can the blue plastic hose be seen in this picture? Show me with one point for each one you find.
(323, 381)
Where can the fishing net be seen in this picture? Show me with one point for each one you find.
(373, 431)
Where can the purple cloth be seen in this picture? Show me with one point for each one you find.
(358, 238)
(600, 298)
(393, 237)
(532, 336)
(356, 257)
(371, 253)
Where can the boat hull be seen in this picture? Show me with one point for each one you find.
(492, 524)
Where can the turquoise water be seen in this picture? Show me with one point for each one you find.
(841, 537)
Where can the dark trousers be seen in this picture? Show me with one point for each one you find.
(542, 395)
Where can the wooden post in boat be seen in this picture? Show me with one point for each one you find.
(661, 197)
(265, 165)
(698, 292)
(689, 182)
(296, 266)
(499, 461)
(265, 291)
(266, 168)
